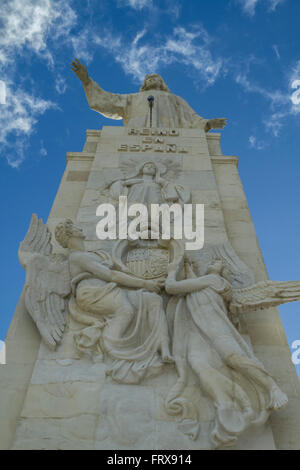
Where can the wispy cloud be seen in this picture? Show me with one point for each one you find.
(18, 118)
(2, 92)
(28, 24)
(43, 150)
(82, 45)
(276, 50)
(249, 6)
(283, 103)
(256, 144)
(273, 4)
(188, 47)
(60, 84)
(137, 4)
(295, 88)
(275, 97)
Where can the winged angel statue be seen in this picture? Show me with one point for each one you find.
(210, 291)
(147, 182)
(123, 316)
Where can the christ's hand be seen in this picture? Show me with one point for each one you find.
(218, 123)
(80, 71)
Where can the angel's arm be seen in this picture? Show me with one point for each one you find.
(87, 262)
(161, 181)
(126, 280)
(188, 285)
(132, 181)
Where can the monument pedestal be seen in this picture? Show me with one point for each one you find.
(61, 400)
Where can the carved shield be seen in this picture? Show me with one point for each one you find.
(148, 263)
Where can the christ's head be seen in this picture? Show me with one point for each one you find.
(154, 82)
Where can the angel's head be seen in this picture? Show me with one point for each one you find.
(154, 81)
(69, 235)
(149, 169)
(216, 266)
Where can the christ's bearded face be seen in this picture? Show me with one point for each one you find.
(153, 82)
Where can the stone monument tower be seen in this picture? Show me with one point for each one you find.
(140, 343)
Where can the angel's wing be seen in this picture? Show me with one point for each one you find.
(37, 240)
(47, 282)
(264, 294)
(237, 272)
(173, 169)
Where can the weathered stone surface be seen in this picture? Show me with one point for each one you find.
(95, 391)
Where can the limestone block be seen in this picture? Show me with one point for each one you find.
(277, 360)
(256, 438)
(56, 434)
(78, 175)
(98, 179)
(48, 371)
(264, 332)
(90, 145)
(196, 162)
(91, 197)
(106, 160)
(197, 180)
(213, 218)
(22, 343)
(61, 400)
(79, 165)
(88, 214)
(213, 141)
(285, 426)
(210, 198)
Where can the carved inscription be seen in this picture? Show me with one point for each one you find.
(153, 140)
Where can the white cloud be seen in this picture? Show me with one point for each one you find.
(273, 4)
(28, 24)
(43, 150)
(249, 6)
(295, 98)
(276, 50)
(188, 47)
(294, 81)
(256, 144)
(82, 45)
(2, 92)
(276, 97)
(283, 104)
(60, 84)
(17, 121)
(274, 122)
(138, 4)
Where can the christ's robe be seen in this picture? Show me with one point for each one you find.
(169, 111)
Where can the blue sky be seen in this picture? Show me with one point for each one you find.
(235, 58)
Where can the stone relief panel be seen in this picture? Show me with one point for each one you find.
(150, 305)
